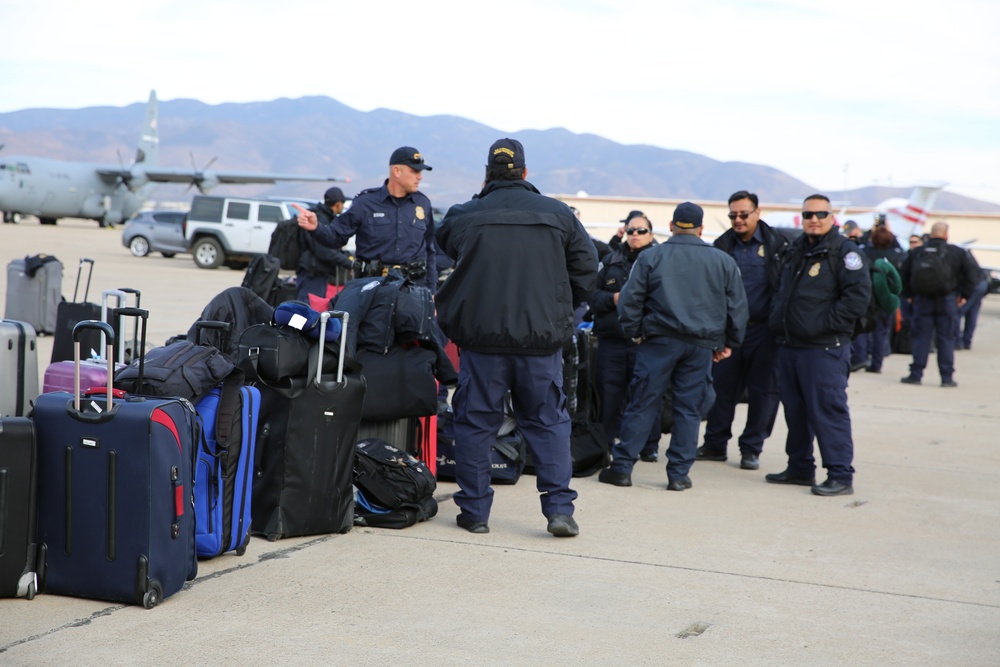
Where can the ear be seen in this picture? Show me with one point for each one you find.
(524, 177)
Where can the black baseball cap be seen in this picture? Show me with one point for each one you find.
(506, 151)
(334, 195)
(688, 216)
(409, 156)
(633, 214)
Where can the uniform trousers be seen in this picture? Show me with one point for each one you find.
(812, 383)
(935, 317)
(536, 386)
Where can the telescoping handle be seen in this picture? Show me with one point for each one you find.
(143, 315)
(120, 302)
(86, 290)
(135, 331)
(224, 327)
(323, 317)
(109, 337)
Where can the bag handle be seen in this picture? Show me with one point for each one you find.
(109, 337)
(90, 274)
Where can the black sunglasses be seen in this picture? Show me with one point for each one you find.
(636, 230)
(742, 216)
(820, 215)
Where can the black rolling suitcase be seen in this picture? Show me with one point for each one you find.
(305, 450)
(69, 313)
(116, 491)
(18, 549)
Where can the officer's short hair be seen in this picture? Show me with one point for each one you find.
(816, 196)
(501, 172)
(743, 194)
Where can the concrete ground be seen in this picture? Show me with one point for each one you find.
(732, 572)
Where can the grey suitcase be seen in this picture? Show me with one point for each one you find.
(34, 298)
(18, 368)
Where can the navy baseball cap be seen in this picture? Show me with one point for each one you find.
(409, 156)
(688, 216)
(506, 151)
(334, 195)
(633, 214)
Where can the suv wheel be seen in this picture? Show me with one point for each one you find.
(208, 253)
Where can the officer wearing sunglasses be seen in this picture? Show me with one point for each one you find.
(824, 288)
(615, 356)
(758, 250)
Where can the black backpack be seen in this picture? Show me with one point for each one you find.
(930, 272)
(397, 490)
(180, 369)
(262, 277)
(285, 244)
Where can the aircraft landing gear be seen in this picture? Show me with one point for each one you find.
(11, 218)
(46, 221)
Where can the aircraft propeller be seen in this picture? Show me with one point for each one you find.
(199, 177)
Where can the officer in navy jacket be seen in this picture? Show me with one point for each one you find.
(319, 264)
(393, 224)
(758, 250)
(684, 304)
(523, 262)
(825, 287)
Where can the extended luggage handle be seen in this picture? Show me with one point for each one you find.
(143, 316)
(135, 332)
(90, 274)
(109, 337)
(121, 302)
(224, 327)
(343, 316)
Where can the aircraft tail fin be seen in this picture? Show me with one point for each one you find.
(910, 218)
(148, 151)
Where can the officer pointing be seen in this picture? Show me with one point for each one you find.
(393, 223)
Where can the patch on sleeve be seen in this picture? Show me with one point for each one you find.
(853, 261)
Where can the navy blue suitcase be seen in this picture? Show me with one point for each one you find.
(116, 491)
(223, 480)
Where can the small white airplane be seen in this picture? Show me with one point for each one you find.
(905, 217)
(53, 189)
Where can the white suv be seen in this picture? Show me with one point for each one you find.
(231, 230)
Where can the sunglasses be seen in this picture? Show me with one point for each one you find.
(636, 230)
(741, 216)
(820, 215)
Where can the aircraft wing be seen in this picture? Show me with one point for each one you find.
(177, 175)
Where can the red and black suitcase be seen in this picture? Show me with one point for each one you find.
(116, 491)
(18, 547)
(305, 443)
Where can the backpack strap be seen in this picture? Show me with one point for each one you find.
(229, 404)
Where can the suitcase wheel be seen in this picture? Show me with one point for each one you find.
(152, 596)
(30, 595)
(242, 549)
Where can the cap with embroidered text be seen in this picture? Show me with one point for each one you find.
(409, 156)
(688, 216)
(506, 151)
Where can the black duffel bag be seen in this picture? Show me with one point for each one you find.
(273, 354)
(396, 489)
(181, 369)
(400, 383)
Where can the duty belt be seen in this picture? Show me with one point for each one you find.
(415, 270)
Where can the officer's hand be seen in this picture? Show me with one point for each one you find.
(616, 297)
(621, 232)
(961, 301)
(307, 219)
(724, 353)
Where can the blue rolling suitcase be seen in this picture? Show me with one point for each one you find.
(115, 491)
(223, 479)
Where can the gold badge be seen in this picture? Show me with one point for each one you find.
(420, 213)
(760, 250)
(814, 270)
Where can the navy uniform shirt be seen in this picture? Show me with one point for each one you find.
(749, 256)
(389, 229)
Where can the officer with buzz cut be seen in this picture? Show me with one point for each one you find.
(393, 224)
(824, 288)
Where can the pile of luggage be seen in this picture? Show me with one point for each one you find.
(251, 423)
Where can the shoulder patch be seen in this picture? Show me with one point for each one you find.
(853, 261)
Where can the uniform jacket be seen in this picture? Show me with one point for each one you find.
(775, 246)
(315, 258)
(685, 289)
(611, 276)
(965, 271)
(523, 262)
(386, 229)
(817, 305)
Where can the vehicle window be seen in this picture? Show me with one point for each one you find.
(207, 209)
(268, 213)
(238, 210)
(168, 217)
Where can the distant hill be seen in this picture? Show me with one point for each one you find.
(319, 135)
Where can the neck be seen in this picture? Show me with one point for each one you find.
(395, 189)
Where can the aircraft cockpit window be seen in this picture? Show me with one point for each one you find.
(268, 213)
(238, 210)
(23, 168)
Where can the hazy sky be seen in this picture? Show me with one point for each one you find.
(847, 93)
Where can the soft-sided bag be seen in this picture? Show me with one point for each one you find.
(273, 354)
(372, 515)
(508, 457)
(182, 369)
(389, 477)
(300, 315)
(400, 382)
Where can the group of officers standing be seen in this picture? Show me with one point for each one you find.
(758, 311)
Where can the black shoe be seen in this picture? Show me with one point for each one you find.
(679, 483)
(750, 462)
(784, 477)
(702, 454)
(832, 487)
(608, 476)
(563, 525)
(472, 526)
(650, 457)
(948, 383)
(872, 369)
(909, 379)
(858, 366)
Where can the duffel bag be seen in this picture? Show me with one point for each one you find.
(181, 369)
(273, 354)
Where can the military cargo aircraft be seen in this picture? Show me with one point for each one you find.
(108, 193)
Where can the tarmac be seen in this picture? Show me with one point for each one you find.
(734, 571)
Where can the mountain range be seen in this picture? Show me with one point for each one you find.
(319, 135)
